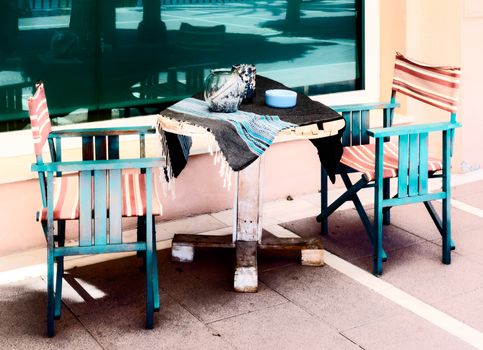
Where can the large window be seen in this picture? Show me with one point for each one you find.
(103, 59)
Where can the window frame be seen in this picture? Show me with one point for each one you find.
(371, 61)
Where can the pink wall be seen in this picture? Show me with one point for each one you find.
(290, 168)
(449, 32)
(471, 91)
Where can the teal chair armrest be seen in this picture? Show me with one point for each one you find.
(112, 131)
(411, 129)
(112, 164)
(364, 106)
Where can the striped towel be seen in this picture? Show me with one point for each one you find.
(256, 131)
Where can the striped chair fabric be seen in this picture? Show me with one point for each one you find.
(436, 86)
(363, 159)
(66, 197)
(39, 118)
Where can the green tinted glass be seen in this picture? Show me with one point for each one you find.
(112, 58)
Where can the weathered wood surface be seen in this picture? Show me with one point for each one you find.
(310, 247)
(311, 131)
(246, 269)
(248, 203)
(291, 243)
(203, 241)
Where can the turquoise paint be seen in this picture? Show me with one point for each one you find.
(413, 174)
(100, 207)
(423, 163)
(413, 164)
(115, 207)
(96, 171)
(403, 159)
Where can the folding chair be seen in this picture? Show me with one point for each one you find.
(407, 160)
(98, 194)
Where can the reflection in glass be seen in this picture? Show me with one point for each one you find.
(112, 58)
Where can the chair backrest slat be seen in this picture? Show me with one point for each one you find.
(346, 136)
(85, 211)
(100, 207)
(101, 147)
(403, 166)
(413, 165)
(357, 119)
(113, 146)
(87, 148)
(115, 207)
(39, 119)
(423, 163)
(356, 128)
(433, 85)
(364, 126)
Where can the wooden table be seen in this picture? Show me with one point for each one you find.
(248, 235)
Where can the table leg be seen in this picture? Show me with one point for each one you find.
(248, 228)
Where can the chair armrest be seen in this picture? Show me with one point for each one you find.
(364, 106)
(127, 130)
(411, 129)
(136, 163)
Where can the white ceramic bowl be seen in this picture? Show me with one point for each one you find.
(280, 98)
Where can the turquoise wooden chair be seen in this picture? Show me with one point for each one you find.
(98, 193)
(407, 159)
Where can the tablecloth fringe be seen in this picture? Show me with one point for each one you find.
(166, 174)
(225, 171)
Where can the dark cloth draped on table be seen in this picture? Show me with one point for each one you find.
(233, 147)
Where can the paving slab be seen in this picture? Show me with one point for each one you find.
(205, 287)
(284, 326)
(347, 237)
(463, 192)
(414, 218)
(23, 321)
(406, 331)
(466, 307)
(406, 259)
(328, 294)
(104, 286)
(475, 200)
(10, 291)
(429, 279)
(470, 245)
(174, 328)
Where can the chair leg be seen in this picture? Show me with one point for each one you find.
(155, 271)
(149, 274)
(386, 212)
(324, 200)
(50, 285)
(446, 232)
(378, 219)
(141, 237)
(60, 270)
